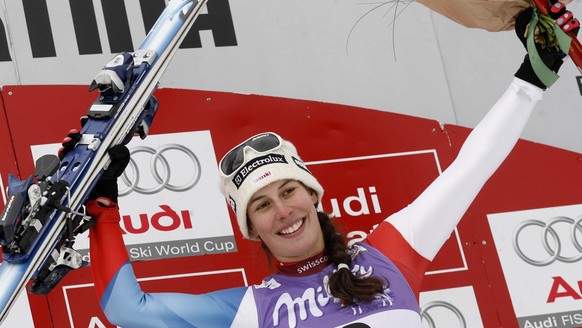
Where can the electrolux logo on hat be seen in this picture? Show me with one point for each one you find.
(254, 164)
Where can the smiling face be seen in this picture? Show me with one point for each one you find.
(283, 215)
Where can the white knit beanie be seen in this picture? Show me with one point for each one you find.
(256, 169)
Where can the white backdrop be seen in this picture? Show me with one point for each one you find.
(418, 63)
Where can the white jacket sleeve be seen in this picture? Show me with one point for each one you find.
(428, 221)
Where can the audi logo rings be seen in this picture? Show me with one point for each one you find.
(554, 249)
(161, 171)
(445, 305)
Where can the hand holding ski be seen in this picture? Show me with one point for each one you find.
(43, 214)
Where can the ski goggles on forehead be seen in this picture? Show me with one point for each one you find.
(260, 143)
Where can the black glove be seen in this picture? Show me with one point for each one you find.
(107, 185)
(552, 56)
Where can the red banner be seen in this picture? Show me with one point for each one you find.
(370, 163)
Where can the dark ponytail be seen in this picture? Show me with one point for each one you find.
(343, 284)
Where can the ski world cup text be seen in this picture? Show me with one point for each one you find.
(187, 248)
(164, 221)
(168, 220)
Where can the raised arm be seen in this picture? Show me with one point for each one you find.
(413, 236)
(428, 222)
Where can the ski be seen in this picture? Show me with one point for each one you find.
(43, 213)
